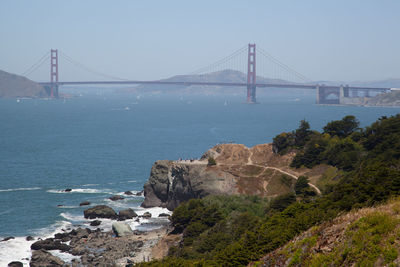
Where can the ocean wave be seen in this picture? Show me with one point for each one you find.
(20, 189)
(80, 190)
(90, 184)
(72, 217)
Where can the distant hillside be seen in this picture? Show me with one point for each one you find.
(388, 99)
(12, 85)
(229, 76)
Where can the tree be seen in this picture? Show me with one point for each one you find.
(282, 142)
(343, 127)
(301, 184)
(301, 135)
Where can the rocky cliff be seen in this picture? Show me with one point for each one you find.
(238, 170)
(12, 85)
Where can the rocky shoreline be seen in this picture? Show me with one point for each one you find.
(83, 246)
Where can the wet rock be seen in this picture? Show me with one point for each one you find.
(100, 211)
(95, 223)
(68, 190)
(163, 215)
(128, 193)
(7, 238)
(116, 197)
(139, 193)
(60, 205)
(146, 215)
(127, 214)
(50, 244)
(84, 203)
(42, 258)
(29, 238)
(121, 229)
(15, 264)
(80, 233)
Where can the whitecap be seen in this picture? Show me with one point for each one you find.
(20, 189)
(80, 190)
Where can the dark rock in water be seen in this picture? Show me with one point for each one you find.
(29, 238)
(8, 238)
(139, 193)
(116, 197)
(50, 244)
(163, 215)
(60, 205)
(68, 190)
(80, 233)
(127, 214)
(95, 223)
(42, 258)
(128, 193)
(61, 236)
(100, 211)
(84, 203)
(15, 264)
(146, 215)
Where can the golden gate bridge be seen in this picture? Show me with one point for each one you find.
(244, 60)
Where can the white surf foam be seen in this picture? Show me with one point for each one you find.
(80, 190)
(20, 189)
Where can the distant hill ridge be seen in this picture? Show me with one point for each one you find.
(12, 85)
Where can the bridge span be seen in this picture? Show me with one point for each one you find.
(326, 94)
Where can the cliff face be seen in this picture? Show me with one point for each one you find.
(12, 85)
(239, 170)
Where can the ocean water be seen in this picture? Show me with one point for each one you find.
(101, 145)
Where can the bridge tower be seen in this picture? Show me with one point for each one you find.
(251, 74)
(54, 73)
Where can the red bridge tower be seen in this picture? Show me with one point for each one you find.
(251, 74)
(54, 72)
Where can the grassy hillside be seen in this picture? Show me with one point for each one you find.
(364, 237)
(235, 231)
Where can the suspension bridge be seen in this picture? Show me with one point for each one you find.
(269, 73)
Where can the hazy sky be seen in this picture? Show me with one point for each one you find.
(324, 40)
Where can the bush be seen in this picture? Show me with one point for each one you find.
(211, 161)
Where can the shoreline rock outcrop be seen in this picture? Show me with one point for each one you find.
(238, 170)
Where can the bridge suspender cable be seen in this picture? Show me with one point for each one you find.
(76, 63)
(38, 63)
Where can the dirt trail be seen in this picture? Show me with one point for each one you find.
(250, 162)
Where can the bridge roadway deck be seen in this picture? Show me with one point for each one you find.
(273, 85)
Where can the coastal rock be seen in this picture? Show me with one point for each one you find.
(50, 244)
(128, 193)
(139, 194)
(7, 238)
(146, 215)
(100, 211)
(42, 258)
(127, 214)
(68, 190)
(84, 203)
(238, 170)
(121, 229)
(116, 197)
(29, 238)
(95, 223)
(15, 264)
(163, 215)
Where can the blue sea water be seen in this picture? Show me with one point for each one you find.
(104, 145)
